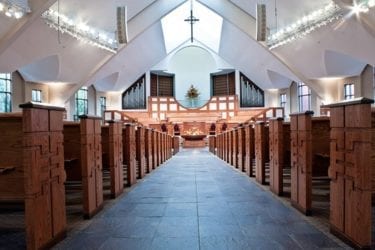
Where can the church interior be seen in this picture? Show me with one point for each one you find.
(190, 124)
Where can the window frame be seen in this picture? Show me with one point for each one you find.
(83, 91)
(283, 101)
(350, 87)
(7, 104)
(38, 95)
(302, 96)
(103, 105)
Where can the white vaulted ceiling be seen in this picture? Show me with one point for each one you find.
(30, 46)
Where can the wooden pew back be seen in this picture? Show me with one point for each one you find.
(33, 170)
(129, 153)
(261, 133)
(112, 146)
(279, 148)
(351, 177)
(140, 151)
(11, 148)
(249, 149)
(309, 144)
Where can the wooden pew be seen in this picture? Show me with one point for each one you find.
(83, 161)
(261, 132)
(241, 148)
(249, 150)
(155, 148)
(219, 147)
(112, 146)
(176, 144)
(163, 147)
(148, 150)
(229, 147)
(32, 163)
(129, 153)
(279, 148)
(170, 146)
(234, 147)
(140, 151)
(309, 156)
(211, 143)
(225, 146)
(352, 150)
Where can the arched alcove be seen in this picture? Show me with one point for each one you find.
(192, 65)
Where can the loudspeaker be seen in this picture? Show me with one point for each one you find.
(122, 29)
(261, 22)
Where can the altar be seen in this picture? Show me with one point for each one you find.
(194, 141)
(194, 135)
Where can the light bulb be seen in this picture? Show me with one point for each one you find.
(18, 14)
(2, 6)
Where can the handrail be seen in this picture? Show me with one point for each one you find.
(262, 116)
(121, 117)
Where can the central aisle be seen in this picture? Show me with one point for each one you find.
(196, 201)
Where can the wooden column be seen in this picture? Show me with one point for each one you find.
(176, 144)
(148, 150)
(44, 174)
(115, 156)
(351, 171)
(130, 153)
(279, 143)
(301, 161)
(241, 148)
(91, 164)
(261, 151)
(140, 151)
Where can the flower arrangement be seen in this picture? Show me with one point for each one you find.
(194, 131)
(192, 92)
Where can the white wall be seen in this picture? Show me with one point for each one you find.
(192, 65)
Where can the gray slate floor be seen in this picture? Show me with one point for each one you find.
(196, 201)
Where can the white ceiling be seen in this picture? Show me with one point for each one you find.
(334, 50)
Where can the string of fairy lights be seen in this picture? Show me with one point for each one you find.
(81, 31)
(14, 9)
(313, 21)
